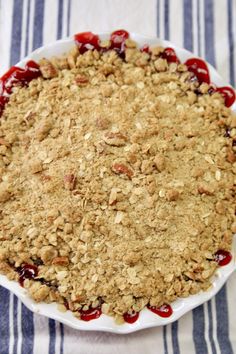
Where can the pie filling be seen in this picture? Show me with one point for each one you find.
(117, 168)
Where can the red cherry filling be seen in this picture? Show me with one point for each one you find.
(16, 76)
(118, 39)
(227, 133)
(3, 101)
(66, 304)
(223, 257)
(170, 55)
(90, 314)
(131, 317)
(87, 41)
(145, 48)
(228, 94)
(164, 311)
(199, 68)
(27, 271)
(19, 76)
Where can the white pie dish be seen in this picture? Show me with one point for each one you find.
(146, 318)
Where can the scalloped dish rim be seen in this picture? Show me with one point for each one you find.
(146, 319)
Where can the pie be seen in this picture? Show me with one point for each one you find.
(117, 177)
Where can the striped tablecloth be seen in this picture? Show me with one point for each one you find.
(207, 28)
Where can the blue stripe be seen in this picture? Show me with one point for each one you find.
(165, 340)
(52, 333)
(223, 322)
(221, 297)
(68, 17)
(209, 307)
(38, 24)
(199, 29)
(4, 322)
(209, 32)
(62, 338)
(15, 327)
(27, 323)
(27, 28)
(59, 19)
(158, 18)
(231, 42)
(166, 20)
(175, 340)
(16, 32)
(188, 24)
(198, 330)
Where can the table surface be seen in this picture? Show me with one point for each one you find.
(206, 27)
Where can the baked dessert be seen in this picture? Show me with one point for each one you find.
(117, 169)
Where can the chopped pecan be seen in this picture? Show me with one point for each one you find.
(63, 261)
(205, 189)
(81, 80)
(70, 182)
(47, 69)
(120, 169)
(230, 156)
(172, 195)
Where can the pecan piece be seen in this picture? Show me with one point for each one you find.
(47, 69)
(205, 189)
(231, 156)
(120, 168)
(70, 182)
(63, 261)
(81, 80)
(172, 195)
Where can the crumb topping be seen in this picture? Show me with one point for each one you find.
(117, 179)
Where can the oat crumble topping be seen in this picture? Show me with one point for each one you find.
(117, 180)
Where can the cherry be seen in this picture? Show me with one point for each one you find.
(145, 48)
(90, 314)
(199, 68)
(3, 101)
(27, 271)
(228, 94)
(118, 39)
(164, 311)
(131, 317)
(223, 257)
(170, 55)
(9, 79)
(16, 76)
(87, 41)
(227, 132)
(66, 304)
